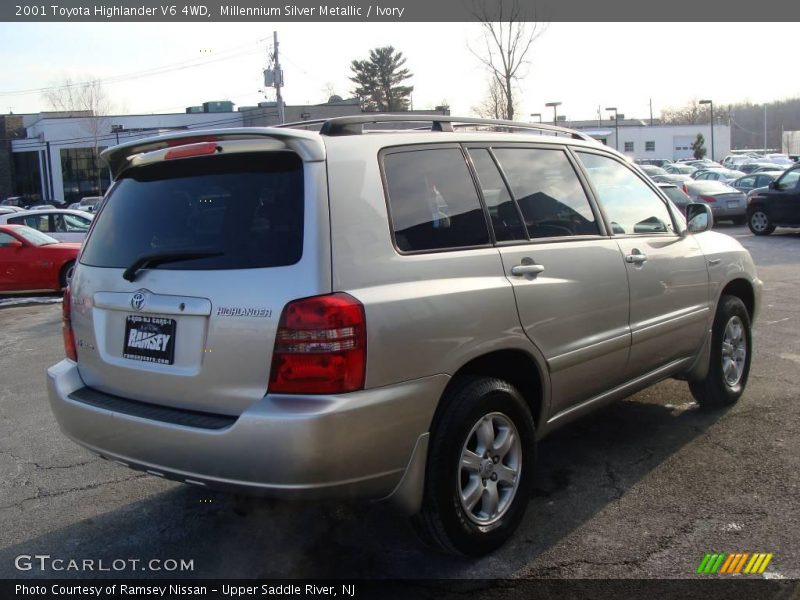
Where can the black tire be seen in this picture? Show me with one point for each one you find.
(718, 390)
(65, 275)
(444, 521)
(759, 222)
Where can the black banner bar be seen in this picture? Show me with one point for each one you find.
(528, 589)
(275, 11)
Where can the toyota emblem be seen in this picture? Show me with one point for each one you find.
(137, 301)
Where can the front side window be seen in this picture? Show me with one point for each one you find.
(433, 201)
(629, 203)
(788, 181)
(6, 239)
(548, 192)
(746, 182)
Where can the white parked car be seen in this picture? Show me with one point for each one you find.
(62, 224)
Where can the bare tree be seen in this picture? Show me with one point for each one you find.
(85, 96)
(694, 113)
(508, 37)
(494, 105)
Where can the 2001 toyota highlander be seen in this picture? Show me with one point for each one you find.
(386, 314)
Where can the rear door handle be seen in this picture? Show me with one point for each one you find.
(524, 269)
(636, 259)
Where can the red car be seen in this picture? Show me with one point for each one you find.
(31, 260)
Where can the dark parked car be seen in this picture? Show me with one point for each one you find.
(776, 206)
(752, 167)
(726, 203)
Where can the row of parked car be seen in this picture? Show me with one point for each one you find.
(39, 242)
(761, 191)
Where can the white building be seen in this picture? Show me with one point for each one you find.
(639, 140)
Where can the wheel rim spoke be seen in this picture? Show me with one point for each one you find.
(470, 461)
(472, 494)
(506, 474)
(491, 500)
(486, 433)
(504, 442)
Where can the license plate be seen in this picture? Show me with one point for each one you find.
(733, 204)
(149, 339)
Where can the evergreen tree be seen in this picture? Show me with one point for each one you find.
(377, 81)
(698, 147)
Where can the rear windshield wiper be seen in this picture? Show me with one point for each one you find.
(151, 260)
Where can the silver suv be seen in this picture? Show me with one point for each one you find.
(390, 314)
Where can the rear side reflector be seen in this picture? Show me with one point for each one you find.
(191, 150)
(70, 350)
(320, 347)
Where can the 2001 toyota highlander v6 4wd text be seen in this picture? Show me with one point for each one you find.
(386, 314)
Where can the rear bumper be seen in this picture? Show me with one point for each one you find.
(350, 445)
(722, 212)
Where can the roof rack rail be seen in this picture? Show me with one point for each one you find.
(354, 125)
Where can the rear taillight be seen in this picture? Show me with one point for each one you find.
(66, 326)
(708, 199)
(685, 189)
(320, 347)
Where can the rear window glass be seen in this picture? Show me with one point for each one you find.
(247, 209)
(433, 201)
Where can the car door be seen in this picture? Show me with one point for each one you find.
(20, 267)
(784, 198)
(667, 271)
(569, 282)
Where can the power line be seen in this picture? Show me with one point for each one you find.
(145, 73)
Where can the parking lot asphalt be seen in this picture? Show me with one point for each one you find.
(641, 489)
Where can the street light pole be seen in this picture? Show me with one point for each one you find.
(711, 104)
(616, 126)
(554, 105)
(537, 115)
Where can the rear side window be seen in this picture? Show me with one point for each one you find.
(548, 192)
(38, 222)
(247, 209)
(433, 201)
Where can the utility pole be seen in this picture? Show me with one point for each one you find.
(651, 112)
(278, 80)
(765, 128)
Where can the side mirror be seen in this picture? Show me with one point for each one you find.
(773, 185)
(698, 217)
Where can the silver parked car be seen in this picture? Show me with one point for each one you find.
(726, 202)
(396, 316)
(62, 224)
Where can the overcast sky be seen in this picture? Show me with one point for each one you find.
(582, 65)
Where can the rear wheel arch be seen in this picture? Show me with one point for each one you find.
(516, 367)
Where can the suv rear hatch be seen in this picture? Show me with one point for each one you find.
(188, 266)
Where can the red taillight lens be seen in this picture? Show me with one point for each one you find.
(320, 347)
(66, 326)
(191, 150)
(708, 199)
(685, 189)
